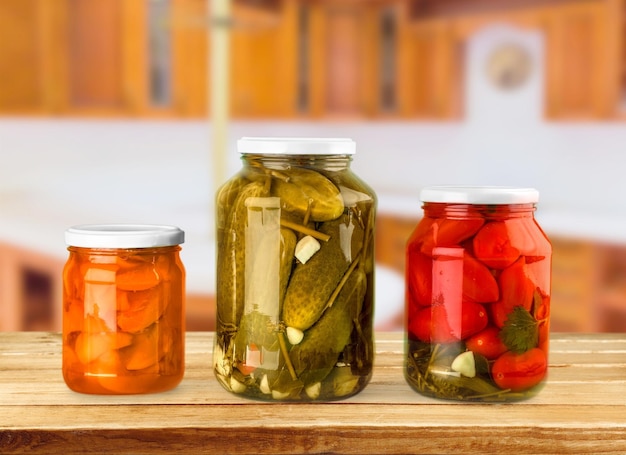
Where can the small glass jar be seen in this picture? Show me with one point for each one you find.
(295, 272)
(123, 309)
(478, 273)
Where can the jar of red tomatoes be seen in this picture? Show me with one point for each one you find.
(123, 309)
(478, 272)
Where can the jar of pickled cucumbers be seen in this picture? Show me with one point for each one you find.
(478, 270)
(295, 272)
(123, 309)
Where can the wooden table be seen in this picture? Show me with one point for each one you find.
(582, 409)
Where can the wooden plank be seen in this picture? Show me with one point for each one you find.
(581, 409)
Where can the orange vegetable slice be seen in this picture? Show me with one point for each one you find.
(148, 347)
(144, 309)
(91, 346)
(93, 323)
(138, 278)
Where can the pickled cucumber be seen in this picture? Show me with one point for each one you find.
(322, 344)
(231, 259)
(305, 190)
(226, 196)
(312, 283)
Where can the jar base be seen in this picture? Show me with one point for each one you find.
(325, 391)
(121, 385)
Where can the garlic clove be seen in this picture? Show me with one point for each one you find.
(294, 335)
(313, 391)
(306, 247)
(279, 395)
(465, 364)
(265, 386)
(236, 386)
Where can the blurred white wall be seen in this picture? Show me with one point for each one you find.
(55, 173)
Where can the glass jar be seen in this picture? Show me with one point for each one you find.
(123, 309)
(478, 271)
(295, 272)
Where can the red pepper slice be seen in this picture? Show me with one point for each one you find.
(541, 311)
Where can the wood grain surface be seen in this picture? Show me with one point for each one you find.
(582, 409)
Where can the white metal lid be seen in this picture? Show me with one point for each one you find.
(123, 236)
(479, 195)
(296, 146)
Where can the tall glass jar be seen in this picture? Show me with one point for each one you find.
(123, 309)
(295, 272)
(478, 274)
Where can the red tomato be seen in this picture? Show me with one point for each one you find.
(419, 324)
(498, 314)
(479, 284)
(441, 323)
(487, 343)
(419, 278)
(419, 233)
(518, 230)
(492, 246)
(447, 232)
(516, 289)
(520, 372)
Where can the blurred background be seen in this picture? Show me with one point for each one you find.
(129, 111)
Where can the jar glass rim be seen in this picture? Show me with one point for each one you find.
(458, 194)
(123, 236)
(296, 146)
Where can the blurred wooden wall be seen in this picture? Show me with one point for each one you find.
(297, 58)
(78, 57)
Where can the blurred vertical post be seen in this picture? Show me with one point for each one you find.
(219, 37)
